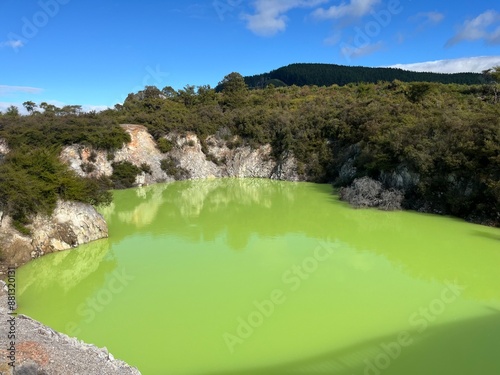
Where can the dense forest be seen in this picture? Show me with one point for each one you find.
(445, 136)
(331, 74)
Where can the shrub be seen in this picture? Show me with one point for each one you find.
(87, 167)
(32, 180)
(21, 227)
(93, 156)
(214, 159)
(366, 192)
(173, 168)
(164, 145)
(146, 168)
(235, 143)
(124, 174)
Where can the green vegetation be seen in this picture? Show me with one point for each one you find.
(438, 144)
(164, 145)
(32, 179)
(331, 74)
(124, 174)
(146, 168)
(172, 167)
(48, 130)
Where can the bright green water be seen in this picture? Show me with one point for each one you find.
(264, 277)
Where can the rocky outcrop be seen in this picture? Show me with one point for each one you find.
(220, 158)
(401, 179)
(87, 162)
(142, 150)
(71, 224)
(216, 157)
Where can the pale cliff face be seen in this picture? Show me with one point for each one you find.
(72, 224)
(216, 160)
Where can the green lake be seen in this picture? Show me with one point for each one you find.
(250, 276)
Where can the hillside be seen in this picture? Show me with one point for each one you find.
(331, 74)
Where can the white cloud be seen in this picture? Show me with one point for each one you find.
(479, 29)
(9, 90)
(432, 17)
(429, 18)
(334, 38)
(270, 15)
(466, 64)
(355, 8)
(5, 105)
(15, 44)
(97, 108)
(350, 52)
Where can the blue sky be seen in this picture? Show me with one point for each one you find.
(96, 52)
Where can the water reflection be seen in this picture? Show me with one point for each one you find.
(426, 246)
(69, 276)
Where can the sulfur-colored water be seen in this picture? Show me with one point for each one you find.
(264, 277)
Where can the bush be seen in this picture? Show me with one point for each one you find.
(214, 159)
(366, 192)
(87, 167)
(164, 145)
(172, 168)
(93, 156)
(146, 168)
(124, 174)
(21, 227)
(32, 180)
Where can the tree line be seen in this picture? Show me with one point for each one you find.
(331, 74)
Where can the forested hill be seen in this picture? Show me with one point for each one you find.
(331, 74)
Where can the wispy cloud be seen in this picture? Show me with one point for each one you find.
(466, 64)
(428, 18)
(15, 44)
(485, 27)
(354, 52)
(354, 8)
(9, 90)
(270, 15)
